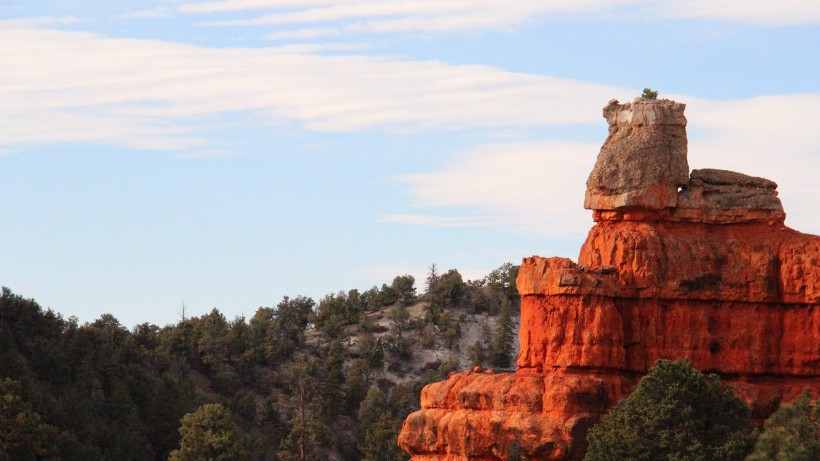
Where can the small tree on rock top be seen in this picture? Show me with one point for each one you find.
(649, 93)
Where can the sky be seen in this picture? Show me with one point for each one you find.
(157, 154)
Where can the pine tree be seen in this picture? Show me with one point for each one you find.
(308, 433)
(792, 433)
(501, 347)
(380, 422)
(23, 435)
(675, 413)
(209, 434)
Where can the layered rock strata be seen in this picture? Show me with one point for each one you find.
(696, 266)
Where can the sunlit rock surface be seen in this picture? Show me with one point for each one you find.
(695, 266)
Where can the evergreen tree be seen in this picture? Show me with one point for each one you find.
(379, 441)
(23, 435)
(450, 289)
(501, 346)
(209, 434)
(400, 317)
(358, 382)
(332, 379)
(288, 330)
(380, 422)
(308, 432)
(404, 288)
(432, 279)
(501, 283)
(675, 413)
(371, 349)
(792, 433)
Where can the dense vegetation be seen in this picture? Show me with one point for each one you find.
(792, 433)
(297, 381)
(675, 413)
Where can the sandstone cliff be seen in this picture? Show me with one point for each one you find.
(697, 266)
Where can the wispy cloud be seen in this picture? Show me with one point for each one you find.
(770, 136)
(75, 86)
(538, 187)
(398, 15)
(767, 12)
(159, 12)
(532, 187)
(41, 21)
(302, 34)
(402, 16)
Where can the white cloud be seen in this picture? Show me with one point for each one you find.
(400, 15)
(533, 187)
(80, 87)
(768, 12)
(350, 16)
(538, 187)
(159, 12)
(302, 34)
(770, 136)
(42, 21)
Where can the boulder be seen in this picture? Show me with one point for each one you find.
(642, 163)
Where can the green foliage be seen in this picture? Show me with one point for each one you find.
(379, 441)
(404, 289)
(476, 351)
(380, 421)
(308, 431)
(278, 333)
(371, 349)
(501, 282)
(209, 434)
(792, 433)
(399, 316)
(99, 392)
(357, 385)
(432, 279)
(399, 347)
(450, 329)
(449, 289)
(501, 347)
(675, 413)
(428, 336)
(648, 93)
(23, 435)
(333, 379)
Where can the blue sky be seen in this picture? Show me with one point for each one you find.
(228, 153)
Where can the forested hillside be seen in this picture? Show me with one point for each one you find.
(300, 380)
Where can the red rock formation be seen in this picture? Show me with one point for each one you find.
(708, 273)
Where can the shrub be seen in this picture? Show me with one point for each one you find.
(648, 93)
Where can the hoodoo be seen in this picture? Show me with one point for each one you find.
(679, 265)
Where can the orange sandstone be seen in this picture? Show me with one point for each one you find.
(708, 273)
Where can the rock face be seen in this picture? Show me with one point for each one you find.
(643, 161)
(695, 266)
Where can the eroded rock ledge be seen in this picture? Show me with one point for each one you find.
(697, 266)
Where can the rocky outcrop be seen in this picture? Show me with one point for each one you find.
(696, 266)
(643, 161)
